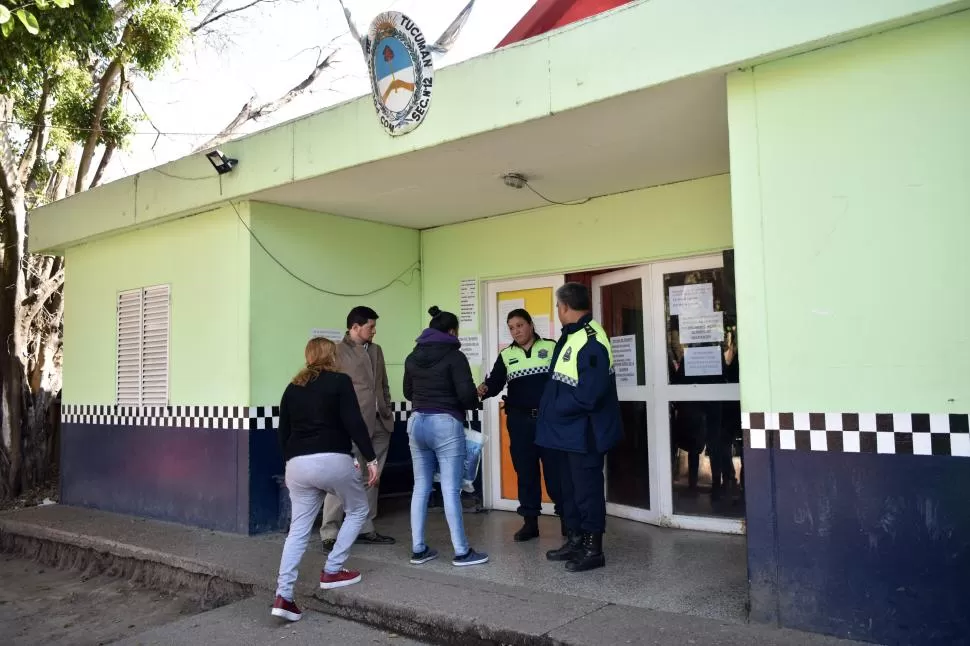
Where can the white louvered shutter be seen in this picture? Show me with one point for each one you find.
(154, 354)
(129, 347)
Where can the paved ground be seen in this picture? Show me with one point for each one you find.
(442, 600)
(41, 605)
(696, 573)
(247, 623)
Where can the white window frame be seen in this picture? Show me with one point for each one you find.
(142, 346)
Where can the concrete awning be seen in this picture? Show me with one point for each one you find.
(627, 99)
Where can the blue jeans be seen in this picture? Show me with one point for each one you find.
(437, 439)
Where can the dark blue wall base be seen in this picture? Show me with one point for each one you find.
(184, 475)
(862, 546)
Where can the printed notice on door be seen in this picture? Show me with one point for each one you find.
(625, 359)
(333, 334)
(471, 345)
(504, 307)
(468, 303)
(704, 361)
(701, 328)
(698, 299)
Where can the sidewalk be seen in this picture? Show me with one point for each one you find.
(432, 603)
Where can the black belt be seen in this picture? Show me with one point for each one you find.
(531, 412)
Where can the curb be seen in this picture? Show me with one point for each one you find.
(219, 585)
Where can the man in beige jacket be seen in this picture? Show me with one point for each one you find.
(363, 361)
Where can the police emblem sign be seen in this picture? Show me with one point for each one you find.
(401, 72)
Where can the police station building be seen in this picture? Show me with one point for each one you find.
(768, 200)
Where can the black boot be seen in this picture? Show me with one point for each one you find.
(571, 548)
(530, 530)
(591, 556)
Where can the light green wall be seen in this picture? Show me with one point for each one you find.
(663, 40)
(205, 260)
(849, 171)
(683, 219)
(339, 255)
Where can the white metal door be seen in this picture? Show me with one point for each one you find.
(622, 304)
(695, 358)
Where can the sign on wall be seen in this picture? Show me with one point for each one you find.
(400, 61)
(401, 72)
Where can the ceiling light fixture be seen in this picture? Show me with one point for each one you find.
(220, 162)
(515, 180)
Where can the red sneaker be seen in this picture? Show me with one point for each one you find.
(339, 579)
(286, 609)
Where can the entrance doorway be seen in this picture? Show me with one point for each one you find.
(673, 330)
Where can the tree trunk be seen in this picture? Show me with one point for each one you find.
(12, 292)
(31, 316)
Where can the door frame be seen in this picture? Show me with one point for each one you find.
(664, 393)
(491, 451)
(642, 392)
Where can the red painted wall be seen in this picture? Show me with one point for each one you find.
(547, 15)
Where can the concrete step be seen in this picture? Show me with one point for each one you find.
(411, 601)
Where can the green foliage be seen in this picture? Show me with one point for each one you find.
(24, 13)
(155, 33)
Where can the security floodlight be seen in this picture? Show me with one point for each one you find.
(220, 162)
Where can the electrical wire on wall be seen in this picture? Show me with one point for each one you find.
(518, 181)
(414, 268)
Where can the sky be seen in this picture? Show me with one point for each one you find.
(267, 50)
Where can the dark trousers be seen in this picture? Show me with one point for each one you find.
(583, 491)
(526, 456)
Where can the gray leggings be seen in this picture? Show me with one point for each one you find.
(310, 478)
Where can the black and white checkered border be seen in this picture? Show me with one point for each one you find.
(212, 417)
(256, 418)
(884, 433)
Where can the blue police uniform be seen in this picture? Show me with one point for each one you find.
(579, 419)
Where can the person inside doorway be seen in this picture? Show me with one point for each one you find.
(579, 418)
(438, 383)
(363, 361)
(524, 367)
(319, 422)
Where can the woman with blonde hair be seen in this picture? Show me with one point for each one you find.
(319, 418)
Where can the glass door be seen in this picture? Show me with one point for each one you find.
(698, 411)
(621, 303)
(538, 297)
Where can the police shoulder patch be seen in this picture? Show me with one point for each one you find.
(567, 355)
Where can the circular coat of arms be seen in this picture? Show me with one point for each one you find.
(401, 72)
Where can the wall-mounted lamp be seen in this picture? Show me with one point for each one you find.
(220, 162)
(515, 180)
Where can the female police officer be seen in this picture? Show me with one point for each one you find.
(524, 366)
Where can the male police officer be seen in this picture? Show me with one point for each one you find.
(524, 366)
(579, 417)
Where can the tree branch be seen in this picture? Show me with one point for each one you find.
(37, 300)
(249, 112)
(213, 16)
(35, 143)
(103, 166)
(100, 104)
(8, 163)
(141, 106)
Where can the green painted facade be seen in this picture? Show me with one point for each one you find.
(205, 260)
(564, 69)
(337, 255)
(683, 219)
(851, 220)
